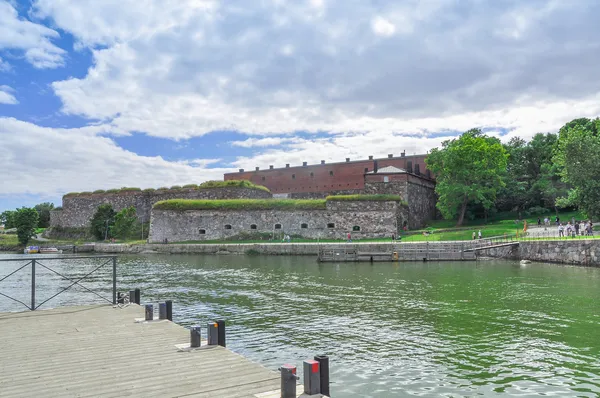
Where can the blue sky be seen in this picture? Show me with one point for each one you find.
(112, 93)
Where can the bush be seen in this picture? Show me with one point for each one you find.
(112, 191)
(162, 189)
(149, 190)
(99, 191)
(175, 187)
(72, 194)
(85, 193)
(536, 211)
(130, 189)
(194, 186)
(102, 221)
(234, 184)
(240, 204)
(26, 221)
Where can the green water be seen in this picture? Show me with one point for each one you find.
(409, 329)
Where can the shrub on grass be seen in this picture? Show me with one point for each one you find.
(240, 204)
(234, 184)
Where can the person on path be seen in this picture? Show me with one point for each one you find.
(479, 234)
(393, 238)
(576, 228)
(557, 220)
(473, 235)
(539, 222)
(349, 237)
(561, 231)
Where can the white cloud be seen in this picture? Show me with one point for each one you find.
(6, 96)
(188, 68)
(33, 39)
(382, 27)
(262, 142)
(37, 160)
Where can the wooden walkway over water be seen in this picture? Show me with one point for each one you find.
(100, 351)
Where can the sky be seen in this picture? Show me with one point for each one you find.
(150, 93)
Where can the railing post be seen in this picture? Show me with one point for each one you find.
(114, 261)
(33, 285)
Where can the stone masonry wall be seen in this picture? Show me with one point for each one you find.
(78, 210)
(375, 219)
(421, 200)
(579, 252)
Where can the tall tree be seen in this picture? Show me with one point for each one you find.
(26, 221)
(468, 168)
(8, 219)
(43, 210)
(125, 223)
(578, 153)
(102, 221)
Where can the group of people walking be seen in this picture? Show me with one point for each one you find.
(581, 228)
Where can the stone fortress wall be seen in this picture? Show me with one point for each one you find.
(363, 219)
(78, 210)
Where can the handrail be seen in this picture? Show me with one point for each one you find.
(75, 281)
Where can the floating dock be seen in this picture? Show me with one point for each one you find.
(102, 351)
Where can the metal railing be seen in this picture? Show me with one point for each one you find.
(35, 262)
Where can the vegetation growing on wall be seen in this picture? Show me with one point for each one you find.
(240, 204)
(232, 183)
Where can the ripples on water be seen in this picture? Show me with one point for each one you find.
(408, 329)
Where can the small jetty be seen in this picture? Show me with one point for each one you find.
(102, 351)
(420, 251)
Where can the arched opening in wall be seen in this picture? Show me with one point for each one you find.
(227, 226)
(293, 176)
(304, 225)
(331, 173)
(202, 231)
(277, 226)
(356, 228)
(330, 225)
(417, 169)
(253, 226)
(312, 174)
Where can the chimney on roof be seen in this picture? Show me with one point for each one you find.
(390, 155)
(303, 163)
(287, 165)
(375, 167)
(271, 167)
(257, 168)
(403, 154)
(347, 159)
(322, 162)
(241, 170)
(371, 157)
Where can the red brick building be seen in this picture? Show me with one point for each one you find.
(325, 178)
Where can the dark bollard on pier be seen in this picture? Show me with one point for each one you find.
(212, 333)
(162, 310)
(149, 311)
(312, 377)
(221, 333)
(131, 296)
(324, 372)
(138, 296)
(169, 305)
(288, 381)
(195, 336)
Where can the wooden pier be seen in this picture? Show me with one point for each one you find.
(101, 351)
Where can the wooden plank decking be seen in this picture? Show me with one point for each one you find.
(100, 351)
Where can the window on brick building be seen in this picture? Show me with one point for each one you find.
(366, 169)
(356, 228)
(330, 225)
(386, 179)
(331, 173)
(293, 176)
(409, 166)
(277, 226)
(312, 174)
(417, 169)
(304, 225)
(202, 231)
(263, 178)
(253, 226)
(227, 226)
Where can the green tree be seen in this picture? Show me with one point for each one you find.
(43, 210)
(125, 223)
(102, 221)
(468, 168)
(26, 221)
(8, 219)
(578, 155)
